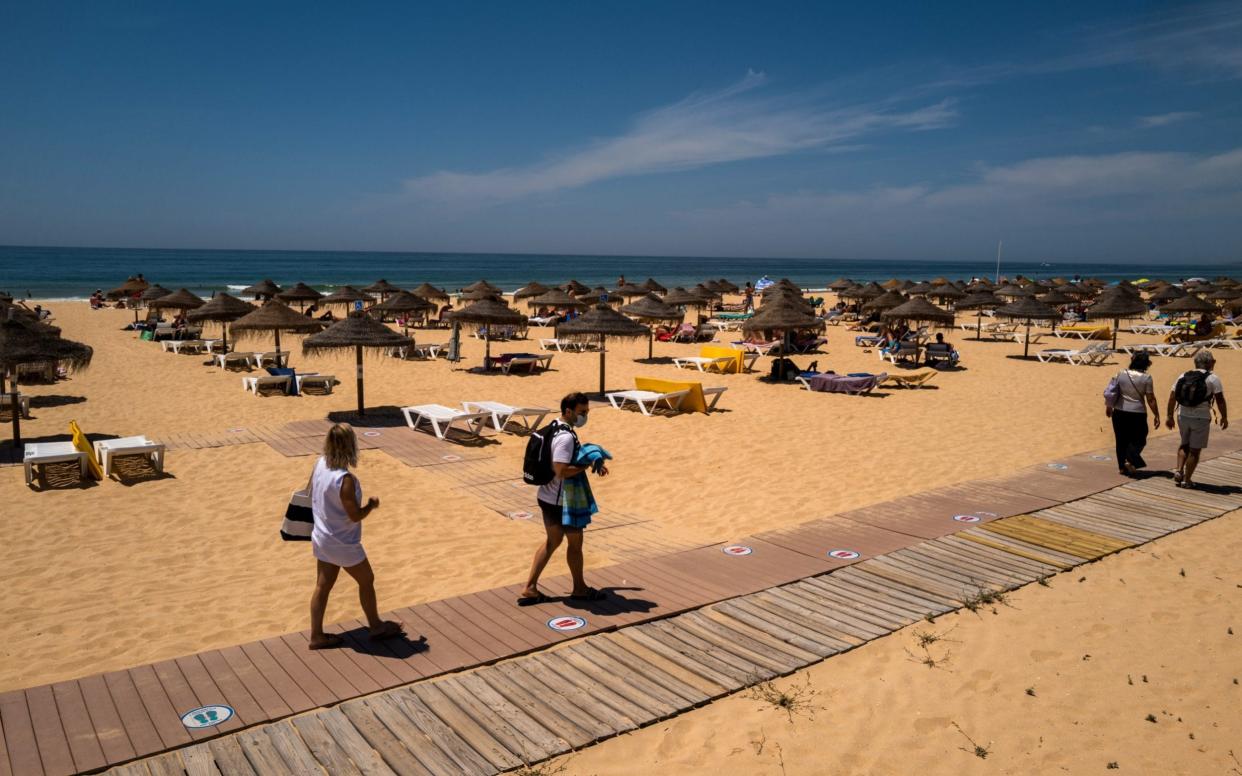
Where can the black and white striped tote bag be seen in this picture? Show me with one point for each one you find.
(298, 518)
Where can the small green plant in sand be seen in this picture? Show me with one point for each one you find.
(543, 769)
(977, 749)
(797, 700)
(983, 597)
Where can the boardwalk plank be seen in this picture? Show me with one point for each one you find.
(140, 729)
(230, 757)
(463, 725)
(262, 753)
(578, 697)
(645, 694)
(292, 748)
(440, 750)
(524, 748)
(275, 650)
(109, 730)
(199, 761)
(689, 686)
(530, 728)
(76, 721)
(49, 733)
(558, 673)
(268, 687)
(394, 752)
(19, 734)
(570, 725)
(323, 746)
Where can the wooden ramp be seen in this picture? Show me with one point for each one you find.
(817, 589)
(546, 703)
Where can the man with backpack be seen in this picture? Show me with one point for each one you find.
(550, 452)
(1193, 395)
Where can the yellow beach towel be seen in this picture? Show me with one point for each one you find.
(694, 402)
(82, 443)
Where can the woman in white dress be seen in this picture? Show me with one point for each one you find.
(336, 539)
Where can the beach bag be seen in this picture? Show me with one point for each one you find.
(1192, 389)
(537, 463)
(147, 335)
(1112, 394)
(299, 519)
(783, 369)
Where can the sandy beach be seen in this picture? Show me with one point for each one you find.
(117, 574)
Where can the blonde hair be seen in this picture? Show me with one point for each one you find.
(340, 447)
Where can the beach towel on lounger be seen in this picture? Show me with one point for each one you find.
(578, 503)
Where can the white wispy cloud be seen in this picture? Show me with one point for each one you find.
(709, 128)
(1165, 119)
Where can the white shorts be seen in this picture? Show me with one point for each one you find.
(343, 555)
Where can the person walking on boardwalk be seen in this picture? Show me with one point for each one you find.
(550, 461)
(336, 539)
(1135, 393)
(1194, 395)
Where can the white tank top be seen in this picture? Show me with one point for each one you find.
(333, 528)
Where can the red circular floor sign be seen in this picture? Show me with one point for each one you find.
(567, 623)
(736, 550)
(967, 518)
(842, 554)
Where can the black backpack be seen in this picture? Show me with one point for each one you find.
(1192, 390)
(782, 370)
(537, 464)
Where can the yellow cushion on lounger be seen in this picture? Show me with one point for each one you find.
(80, 442)
(694, 401)
(1098, 330)
(721, 351)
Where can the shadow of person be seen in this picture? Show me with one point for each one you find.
(612, 603)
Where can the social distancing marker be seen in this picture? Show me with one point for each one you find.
(450, 457)
(1101, 458)
(1058, 467)
(372, 433)
(736, 550)
(207, 716)
(521, 514)
(236, 430)
(967, 518)
(842, 554)
(567, 623)
(984, 514)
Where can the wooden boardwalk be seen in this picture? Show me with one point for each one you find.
(532, 707)
(712, 618)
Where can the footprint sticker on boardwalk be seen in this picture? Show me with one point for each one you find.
(207, 716)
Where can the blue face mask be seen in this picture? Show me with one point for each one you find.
(580, 421)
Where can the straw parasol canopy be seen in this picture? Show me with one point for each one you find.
(181, 299)
(599, 294)
(920, 289)
(575, 288)
(430, 292)
(264, 289)
(945, 293)
(840, 284)
(358, 331)
(886, 301)
(127, 289)
(531, 289)
(920, 310)
(1055, 298)
(1028, 308)
(404, 302)
(683, 298)
(481, 285)
(480, 293)
(631, 291)
(1224, 294)
(1188, 304)
(726, 287)
(980, 301)
(1011, 291)
(274, 316)
(346, 295)
(381, 287)
(782, 313)
(556, 298)
(651, 285)
(649, 308)
(869, 291)
(1167, 294)
(300, 293)
(1116, 305)
(601, 322)
(708, 294)
(485, 313)
(154, 292)
(222, 308)
(891, 284)
(29, 342)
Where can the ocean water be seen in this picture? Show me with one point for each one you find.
(73, 273)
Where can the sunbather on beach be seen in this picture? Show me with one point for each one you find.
(336, 539)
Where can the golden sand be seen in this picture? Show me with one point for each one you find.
(119, 574)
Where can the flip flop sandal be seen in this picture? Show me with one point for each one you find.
(533, 600)
(331, 641)
(591, 595)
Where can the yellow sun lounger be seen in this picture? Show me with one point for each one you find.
(915, 380)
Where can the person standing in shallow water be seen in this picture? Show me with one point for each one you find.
(1136, 392)
(336, 539)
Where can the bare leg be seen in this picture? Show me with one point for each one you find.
(573, 556)
(325, 579)
(1181, 463)
(542, 555)
(1192, 461)
(365, 577)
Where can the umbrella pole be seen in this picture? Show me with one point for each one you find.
(601, 365)
(1026, 346)
(16, 409)
(224, 334)
(487, 350)
(1116, 325)
(358, 360)
(650, 343)
(278, 347)
(979, 325)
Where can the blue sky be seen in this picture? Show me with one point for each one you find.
(1101, 131)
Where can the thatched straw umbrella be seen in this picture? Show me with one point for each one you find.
(680, 297)
(381, 287)
(480, 285)
(348, 296)
(557, 299)
(358, 331)
(651, 285)
(301, 293)
(920, 289)
(918, 310)
(274, 316)
(154, 292)
(181, 299)
(980, 301)
(1188, 305)
(710, 294)
(869, 291)
(131, 287)
(840, 284)
(649, 309)
(1028, 308)
(265, 289)
(886, 301)
(24, 342)
(430, 292)
(630, 291)
(1010, 291)
(945, 293)
(404, 302)
(485, 313)
(223, 309)
(530, 290)
(476, 294)
(1116, 305)
(1224, 295)
(891, 285)
(599, 295)
(601, 322)
(1167, 294)
(726, 287)
(782, 313)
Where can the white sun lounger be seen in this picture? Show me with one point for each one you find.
(6, 400)
(551, 343)
(531, 362)
(1088, 356)
(326, 382)
(275, 359)
(256, 384)
(176, 346)
(236, 357)
(40, 453)
(442, 419)
(108, 449)
(528, 417)
(1151, 328)
(713, 395)
(647, 400)
(1180, 349)
(703, 363)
